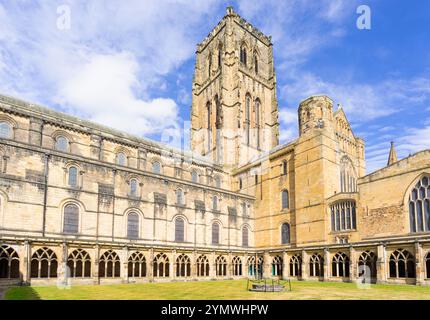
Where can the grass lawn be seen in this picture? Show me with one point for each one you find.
(211, 290)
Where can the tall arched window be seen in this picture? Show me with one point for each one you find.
(71, 219)
(419, 206)
(79, 263)
(133, 225)
(402, 264)
(256, 64)
(215, 203)
(285, 199)
(121, 159)
(161, 266)
(221, 266)
(133, 187)
(284, 167)
(44, 264)
(137, 265)
(109, 265)
(285, 233)
(156, 167)
(208, 125)
(367, 265)
(296, 266)
(340, 265)
(217, 180)
(215, 233)
(243, 56)
(348, 177)
(237, 266)
(194, 176)
(9, 263)
(277, 266)
(316, 265)
(179, 230)
(202, 266)
(219, 57)
(343, 216)
(247, 118)
(5, 130)
(245, 237)
(183, 266)
(73, 177)
(62, 144)
(257, 122)
(180, 197)
(209, 64)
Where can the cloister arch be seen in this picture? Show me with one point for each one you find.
(109, 265)
(9, 263)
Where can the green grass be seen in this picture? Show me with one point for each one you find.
(211, 290)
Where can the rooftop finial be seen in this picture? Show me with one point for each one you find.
(339, 106)
(230, 10)
(392, 157)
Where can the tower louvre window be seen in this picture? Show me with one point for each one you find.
(243, 55)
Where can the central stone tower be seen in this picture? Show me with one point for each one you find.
(234, 114)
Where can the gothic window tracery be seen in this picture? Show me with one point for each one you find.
(419, 206)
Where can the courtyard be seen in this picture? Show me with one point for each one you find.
(220, 290)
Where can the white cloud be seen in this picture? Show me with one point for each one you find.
(361, 101)
(104, 90)
(110, 67)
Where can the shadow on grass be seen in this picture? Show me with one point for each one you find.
(22, 293)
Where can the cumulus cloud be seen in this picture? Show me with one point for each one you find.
(111, 66)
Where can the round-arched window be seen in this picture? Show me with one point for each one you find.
(5, 130)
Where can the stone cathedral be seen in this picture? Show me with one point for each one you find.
(82, 203)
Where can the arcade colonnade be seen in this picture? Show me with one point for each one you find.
(50, 264)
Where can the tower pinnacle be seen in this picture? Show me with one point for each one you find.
(392, 158)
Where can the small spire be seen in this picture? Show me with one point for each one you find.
(392, 158)
(339, 106)
(230, 10)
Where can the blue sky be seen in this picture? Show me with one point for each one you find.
(130, 64)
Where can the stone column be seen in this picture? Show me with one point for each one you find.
(124, 266)
(96, 265)
(305, 264)
(352, 264)
(194, 265)
(26, 265)
(150, 264)
(327, 263)
(285, 265)
(245, 265)
(212, 271)
(419, 262)
(229, 266)
(381, 264)
(267, 260)
(63, 272)
(172, 266)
